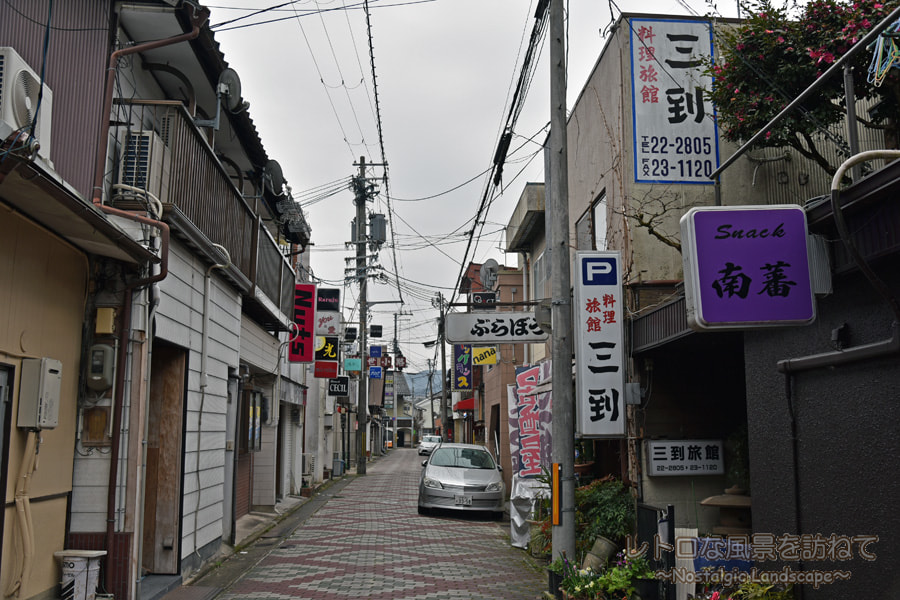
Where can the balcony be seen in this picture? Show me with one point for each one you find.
(204, 201)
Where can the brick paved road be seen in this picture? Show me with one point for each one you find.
(369, 542)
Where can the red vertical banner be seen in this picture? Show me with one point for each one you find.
(302, 347)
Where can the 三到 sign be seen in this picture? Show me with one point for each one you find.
(746, 267)
(685, 457)
(599, 345)
(675, 139)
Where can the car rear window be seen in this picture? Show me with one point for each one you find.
(462, 458)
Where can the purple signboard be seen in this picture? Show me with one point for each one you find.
(746, 267)
(462, 368)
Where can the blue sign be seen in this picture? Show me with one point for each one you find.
(374, 372)
(598, 271)
(375, 351)
(352, 364)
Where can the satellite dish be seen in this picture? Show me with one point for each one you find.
(228, 94)
(488, 274)
(229, 89)
(273, 177)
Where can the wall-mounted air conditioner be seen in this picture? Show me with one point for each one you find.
(20, 87)
(309, 463)
(145, 162)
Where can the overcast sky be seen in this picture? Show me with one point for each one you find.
(445, 73)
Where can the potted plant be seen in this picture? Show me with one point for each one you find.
(580, 584)
(541, 538)
(604, 511)
(555, 573)
(620, 579)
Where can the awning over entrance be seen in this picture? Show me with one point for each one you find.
(467, 404)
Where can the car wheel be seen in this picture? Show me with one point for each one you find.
(497, 515)
(423, 510)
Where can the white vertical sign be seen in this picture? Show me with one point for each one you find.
(599, 345)
(675, 139)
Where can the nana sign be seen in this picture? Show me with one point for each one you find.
(746, 267)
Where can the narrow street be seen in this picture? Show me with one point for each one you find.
(367, 541)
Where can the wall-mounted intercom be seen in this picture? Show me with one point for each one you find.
(101, 366)
(39, 392)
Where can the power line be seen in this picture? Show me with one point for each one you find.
(306, 13)
(387, 189)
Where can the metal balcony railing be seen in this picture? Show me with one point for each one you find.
(164, 153)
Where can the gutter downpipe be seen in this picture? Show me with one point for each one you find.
(204, 380)
(865, 351)
(198, 19)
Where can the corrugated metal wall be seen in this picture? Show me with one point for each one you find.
(77, 55)
(790, 178)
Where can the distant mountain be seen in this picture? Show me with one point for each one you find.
(418, 383)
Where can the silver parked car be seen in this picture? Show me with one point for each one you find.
(461, 477)
(428, 443)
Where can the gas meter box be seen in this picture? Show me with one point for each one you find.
(39, 392)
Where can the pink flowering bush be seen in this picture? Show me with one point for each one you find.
(773, 55)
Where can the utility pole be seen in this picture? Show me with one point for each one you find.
(445, 417)
(362, 276)
(557, 217)
(431, 392)
(396, 376)
(396, 395)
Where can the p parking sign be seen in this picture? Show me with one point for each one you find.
(598, 270)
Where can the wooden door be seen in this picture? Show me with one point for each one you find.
(165, 444)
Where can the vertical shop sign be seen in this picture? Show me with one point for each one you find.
(530, 427)
(462, 368)
(599, 343)
(675, 135)
(302, 346)
(328, 315)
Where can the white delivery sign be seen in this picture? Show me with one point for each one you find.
(599, 345)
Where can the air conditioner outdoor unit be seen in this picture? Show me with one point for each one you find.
(20, 87)
(309, 464)
(145, 162)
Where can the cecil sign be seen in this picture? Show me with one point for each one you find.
(746, 267)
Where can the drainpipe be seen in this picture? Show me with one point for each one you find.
(138, 546)
(204, 354)
(23, 512)
(866, 351)
(198, 19)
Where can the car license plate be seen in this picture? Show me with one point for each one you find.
(464, 500)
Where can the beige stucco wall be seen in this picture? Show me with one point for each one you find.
(41, 312)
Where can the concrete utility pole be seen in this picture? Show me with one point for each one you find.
(557, 222)
(397, 374)
(362, 276)
(445, 416)
(430, 393)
